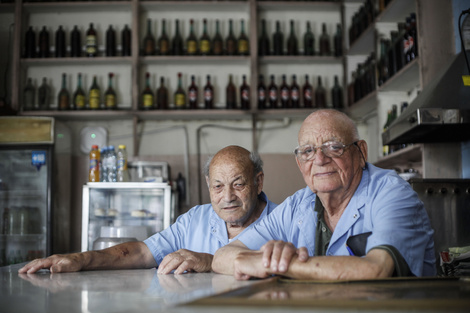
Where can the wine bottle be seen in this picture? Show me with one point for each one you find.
(231, 41)
(162, 95)
(244, 94)
(94, 95)
(261, 93)
(29, 94)
(400, 47)
(110, 42)
(208, 94)
(126, 41)
(60, 43)
(217, 41)
(278, 40)
(231, 94)
(320, 95)
(324, 42)
(164, 41)
(205, 41)
(285, 93)
(337, 95)
(292, 45)
(180, 95)
(191, 41)
(91, 42)
(309, 41)
(177, 44)
(243, 41)
(147, 94)
(79, 102)
(63, 102)
(44, 95)
(307, 92)
(338, 41)
(294, 93)
(110, 94)
(75, 43)
(263, 42)
(44, 43)
(193, 94)
(30, 43)
(273, 94)
(149, 40)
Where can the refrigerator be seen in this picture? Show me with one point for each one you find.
(26, 156)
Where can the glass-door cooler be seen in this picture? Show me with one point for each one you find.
(118, 212)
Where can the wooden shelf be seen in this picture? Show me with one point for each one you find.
(404, 80)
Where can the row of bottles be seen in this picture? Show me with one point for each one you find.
(43, 47)
(363, 80)
(21, 220)
(391, 117)
(108, 165)
(292, 43)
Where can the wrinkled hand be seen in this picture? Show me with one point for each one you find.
(249, 264)
(277, 255)
(185, 261)
(57, 263)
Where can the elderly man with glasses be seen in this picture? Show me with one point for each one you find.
(352, 221)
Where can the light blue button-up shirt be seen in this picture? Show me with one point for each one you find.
(200, 230)
(383, 204)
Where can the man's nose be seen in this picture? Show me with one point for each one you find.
(320, 158)
(228, 194)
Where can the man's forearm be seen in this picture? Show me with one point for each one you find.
(223, 260)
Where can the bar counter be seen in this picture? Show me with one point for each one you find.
(145, 291)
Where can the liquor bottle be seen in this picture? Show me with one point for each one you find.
(263, 41)
(164, 41)
(278, 40)
(243, 41)
(261, 93)
(126, 41)
(309, 41)
(231, 41)
(63, 102)
(245, 94)
(94, 95)
(147, 94)
(320, 95)
(392, 59)
(149, 40)
(177, 43)
(338, 41)
(324, 42)
(75, 43)
(292, 45)
(386, 148)
(307, 92)
(382, 66)
(205, 41)
(91, 49)
(294, 93)
(217, 42)
(399, 47)
(44, 95)
(191, 42)
(110, 42)
(413, 39)
(29, 94)
(180, 95)
(162, 95)
(273, 94)
(193, 94)
(231, 94)
(110, 95)
(30, 43)
(79, 102)
(208, 94)
(44, 43)
(406, 41)
(285, 93)
(60, 43)
(337, 95)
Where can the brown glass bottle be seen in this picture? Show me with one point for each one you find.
(110, 101)
(309, 41)
(217, 41)
(177, 43)
(162, 95)
(338, 41)
(149, 40)
(30, 43)
(180, 95)
(324, 42)
(273, 94)
(307, 94)
(285, 93)
(191, 41)
(294, 93)
(205, 40)
(126, 41)
(164, 41)
(278, 40)
(337, 95)
(147, 95)
(94, 97)
(292, 44)
(244, 95)
(231, 94)
(110, 42)
(399, 47)
(91, 47)
(243, 41)
(193, 94)
(231, 41)
(44, 93)
(261, 93)
(320, 95)
(44, 43)
(75, 43)
(63, 102)
(263, 41)
(79, 97)
(208, 94)
(60, 51)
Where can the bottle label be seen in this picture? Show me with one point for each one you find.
(80, 101)
(110, 101)
(164, 49)
(91, 44)
(308, 94)
(192, 95)
(218, 47)
(242, 46)
(121, 164)
(231, 47)
(208, 94)
(148, 101)
(180, 100)
(245, 94)
(284, 94)
(94, 99)
(192, 47)
(205, 46)
(294, 94)
(272, 94)
(261, 94)
(94, 164)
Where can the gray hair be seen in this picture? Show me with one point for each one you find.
(254, 158)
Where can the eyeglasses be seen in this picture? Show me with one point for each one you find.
(331, 149)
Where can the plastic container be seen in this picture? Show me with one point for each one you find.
(94, 169)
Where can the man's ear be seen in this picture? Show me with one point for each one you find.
(207, 181)
(259, 180)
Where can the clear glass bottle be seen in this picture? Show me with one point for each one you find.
(122, 171)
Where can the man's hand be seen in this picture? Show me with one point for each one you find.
(55, 263)
(277, 255)
(249, 264)
(185, 260)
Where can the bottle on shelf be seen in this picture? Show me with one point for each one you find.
(177, 42)
(208, 94)
(126, 41)
(110, 42)
(122, 171)
(94, 164)
(180, 95)
(30, 43)
(307, 93)
(94, 95)
(392, 59)
(111, 164)
(149, 40)
(164, 41)
(386, 148)
(294, 93)
(162, 95)
(191, 41)
(413, 40)
(75, 43)
(337, 95)
(231, 94)
(399, 47)
(244, 94)
(320, 95)
(205, 40)
(263, 41)
(231, 41)
(382, 64)
(261, 93)
(338, 41)
(324, 42)
(110, 101)
(44, 43)
(193, 94)
(292, 44)
(29, 94)
(309, 41)
(79, 98)
(278, 40)
(285, 93)
(217, 41)
(60, 51)
(91, 42)
(147, 94)
(243, 41)
(103, 164)
(44, 95)
(273, 94)
(63, 102)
